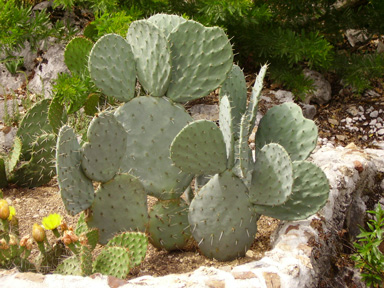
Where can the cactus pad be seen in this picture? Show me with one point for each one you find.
(168, 225)
(222, 219)
(151, 124)
(104, 152)
(76, 55)
(235, 88)
(309, 194)
(272, 176)
(112, 67)
(201, 60)
(69, 266)
(286, 125)
(200, 149)
(166, 22)
(114, 261)
(135, 242)
(76, 189)
(119, 205)
(152, 55)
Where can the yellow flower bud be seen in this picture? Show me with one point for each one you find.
(38, 233)
(4, 209)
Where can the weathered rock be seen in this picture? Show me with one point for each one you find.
(356, 36)
(309, 111)
(203, 111)
(322, 92)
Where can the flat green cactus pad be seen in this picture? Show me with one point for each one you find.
(112, 67)
(76, 55)
(286, 125)
(40, 169)
(119, 205)
(166, 22)
(69, 266)
(227, 127)
(105, 149)
(151, 124)
(222, 218)
(75, 188)
(235, 88)
(272, 177)
(201, 60)
(168, 224)
(114, 261)
(14, 156)
(152, 56)
(200, 149)
(35, 122)
(309, 194)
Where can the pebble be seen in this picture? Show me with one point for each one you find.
(374, 114)
(373, 122)
(380, 132)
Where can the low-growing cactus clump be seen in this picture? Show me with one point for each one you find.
(150, 145)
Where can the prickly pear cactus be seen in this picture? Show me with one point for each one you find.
(278, 182)
(170, 69)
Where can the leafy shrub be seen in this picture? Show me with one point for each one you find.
(369, 256)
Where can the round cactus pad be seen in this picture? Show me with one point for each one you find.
(152, 56)
(152, 123)
(112, 67)
(76, 55)
(120, 205)
(222, 218)
(272, 177)
(76, 189)
(114, 261)
(201, 60)
(168, 224)
(200, 149)
(105, 149)
(309, 194)
(166, 22)
(286, 125)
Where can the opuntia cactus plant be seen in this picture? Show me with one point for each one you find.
(31, 162)
(278, 182)
(171, 69)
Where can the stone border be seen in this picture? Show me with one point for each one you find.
(301, 249)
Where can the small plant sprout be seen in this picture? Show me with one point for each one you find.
(51, 222)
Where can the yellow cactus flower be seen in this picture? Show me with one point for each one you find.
(12, 212)
(52, 221)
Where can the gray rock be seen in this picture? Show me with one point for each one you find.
(309, 111)
(9, 82)
(380, 132)
(46, 72)
(353, 111)
(355, 36)
(371, 93)
(284, 96)
(203, 111)
(374, 114)
(322, 91)
(380, 47)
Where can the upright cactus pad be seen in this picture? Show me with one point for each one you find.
(114, 261)
(14, 157)
(222, 219)
(151, 124)
(105, 149)
(40, 169)
(200, 149)
(272, 176)
(35, 122)
(309, 194)
(119, 205)
(201, 60)
(235, 89)
(112, 67)
(285, 124)
(76, 55)
(152, 56)
(168, 225)
(76, 189)
(166, 22)
(227, 127)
